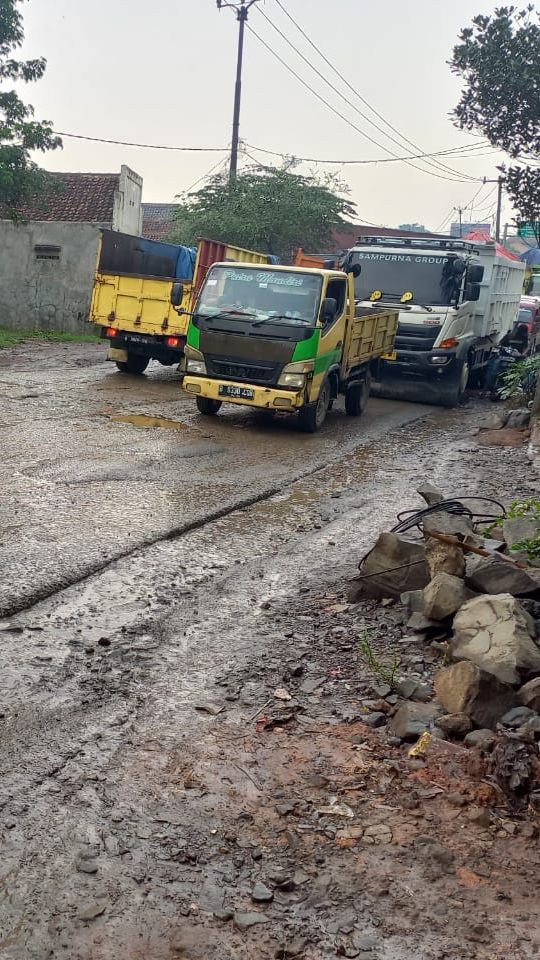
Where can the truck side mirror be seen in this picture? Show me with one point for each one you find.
(329, 310)
(354, 268)
(177, 294)
(475, 273)
(472, 291)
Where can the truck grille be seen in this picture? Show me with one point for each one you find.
(245, 372)
(412, 336)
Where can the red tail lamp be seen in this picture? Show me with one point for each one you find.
(173, 342)
(111, 332)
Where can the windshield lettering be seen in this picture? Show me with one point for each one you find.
(426, 279)
(262, 295)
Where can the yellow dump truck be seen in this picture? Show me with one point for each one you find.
(282, 339)
(131, 300)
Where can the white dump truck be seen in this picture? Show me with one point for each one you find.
(456, 300)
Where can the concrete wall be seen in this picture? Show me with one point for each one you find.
(47, 289)
(127, 213)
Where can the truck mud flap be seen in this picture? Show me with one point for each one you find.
(413, 391)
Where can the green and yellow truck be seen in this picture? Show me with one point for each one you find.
(282, 339)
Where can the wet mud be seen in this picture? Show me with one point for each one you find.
(147, 807)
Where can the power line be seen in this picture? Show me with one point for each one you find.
(393, 159)
(274, 153)
(221, 162)
(355, 92)
(287, 66)
(146, 146)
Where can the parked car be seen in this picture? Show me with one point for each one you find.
(529, 315)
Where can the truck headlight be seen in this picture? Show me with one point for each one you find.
(293, 375)
(197, 367)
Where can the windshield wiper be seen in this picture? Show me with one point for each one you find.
(224, 313)
(279, 316)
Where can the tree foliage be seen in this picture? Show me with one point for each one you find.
(267, 209)
(498, 57)
(523, 186)
(19, 132)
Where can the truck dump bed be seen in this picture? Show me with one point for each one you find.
(370, 334)
(134, 278)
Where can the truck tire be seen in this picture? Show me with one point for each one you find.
(453, 389)
(207, 406)
(313, 415)
(356, 397)
(135, 364)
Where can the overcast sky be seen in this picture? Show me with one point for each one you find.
(163, 72)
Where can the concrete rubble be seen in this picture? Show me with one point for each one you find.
(474, 601)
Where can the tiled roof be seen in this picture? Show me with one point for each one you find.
(88, 197)
(158, 220)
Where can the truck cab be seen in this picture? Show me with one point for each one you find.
(456, 300)
(282, 339)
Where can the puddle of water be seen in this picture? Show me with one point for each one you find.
(142, 420)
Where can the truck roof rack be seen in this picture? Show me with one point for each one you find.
(426, 244)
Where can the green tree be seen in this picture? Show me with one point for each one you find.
(267, 209)
(20, 177)
(498, 57)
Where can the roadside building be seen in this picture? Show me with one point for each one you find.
(48, 261)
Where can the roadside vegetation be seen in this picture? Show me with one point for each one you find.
(11, 338)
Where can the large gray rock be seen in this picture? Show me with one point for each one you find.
(444, 596)
(450, 523)
(517, 419)
(413, 719)
(496, 633)
(430, 494)
(455, 724)
(390, 552)
(494, 575)
(463, 688)
(519, 528)
(444, 558)
(529, 695)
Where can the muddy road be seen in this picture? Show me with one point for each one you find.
(163, 576)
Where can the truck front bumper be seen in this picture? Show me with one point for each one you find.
(265, 398)
(433, 364)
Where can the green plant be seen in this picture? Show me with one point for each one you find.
(11, 338)
(519, 381)
(518, 508)
(530, 546)
(385, 671)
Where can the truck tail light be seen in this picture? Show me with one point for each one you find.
(174, 341)
(449, 344)
(111, 332)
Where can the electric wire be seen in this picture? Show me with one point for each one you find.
(344, 80)
(275, 153)
(462, 179)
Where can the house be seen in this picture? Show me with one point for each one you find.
(158, 220)
(48, 261)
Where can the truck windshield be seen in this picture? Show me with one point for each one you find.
(404, 277)
(242, 292)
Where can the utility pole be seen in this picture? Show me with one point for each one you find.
(241, 9)
(500, 182)
(459, 210)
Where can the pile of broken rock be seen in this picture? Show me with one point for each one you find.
(469, 599)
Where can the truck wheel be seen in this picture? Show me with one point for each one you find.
(356, 398)
(313, 415)
(453, 389)
(134, 364)
(207, 406)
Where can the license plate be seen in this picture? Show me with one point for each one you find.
(389, 356)
(137, 338)
(240, 393)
